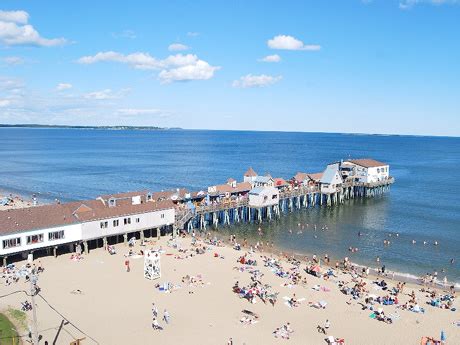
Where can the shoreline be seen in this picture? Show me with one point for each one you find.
(394, 276)
(201, 301)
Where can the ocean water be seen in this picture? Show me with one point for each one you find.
(424, 203)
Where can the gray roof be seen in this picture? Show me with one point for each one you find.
(262, 179)
(329, 173)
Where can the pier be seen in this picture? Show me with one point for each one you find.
(82, 225)
(229, 212)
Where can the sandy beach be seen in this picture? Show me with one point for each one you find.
(115, 307)
(14, 201)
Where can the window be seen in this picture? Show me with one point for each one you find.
(116, 222)
(12, 242)
(162, 216)
(127, 221)
(35, 239)
(56, 235)
(138, 220)
(104, 225)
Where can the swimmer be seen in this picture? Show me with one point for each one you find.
(359, 233)
(414, 241)
(425, 243)
(397, 235)
(377, 259)
(435, 243)
(452, 261)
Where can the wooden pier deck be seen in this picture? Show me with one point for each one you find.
(228, 211)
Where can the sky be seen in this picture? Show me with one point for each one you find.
(350, 66)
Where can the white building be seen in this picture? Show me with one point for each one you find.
(263, 181)
(366, 170)
(263, 196)
(249, 175)
(52, 226)
(331, 179)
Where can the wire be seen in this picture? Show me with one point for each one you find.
(14, 292)
(78, 329)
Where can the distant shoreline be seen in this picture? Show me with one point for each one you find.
(138, 128)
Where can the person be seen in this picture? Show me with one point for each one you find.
(327, 324)
(128, 269)
(166, 316)
(230, 341)
(156, 325)
(154, 310)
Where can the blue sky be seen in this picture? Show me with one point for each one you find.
(369, 66)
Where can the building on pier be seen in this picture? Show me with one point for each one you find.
(249, 175)
(365, 170)
(331, 179)
(106, 220)
(263, 197)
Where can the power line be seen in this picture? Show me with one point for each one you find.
(65, 318)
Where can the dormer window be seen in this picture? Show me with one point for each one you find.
(112, 202)
(149, 196)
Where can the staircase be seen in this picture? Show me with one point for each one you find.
(181, 218)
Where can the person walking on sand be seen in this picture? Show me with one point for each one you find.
(128, 269)
(327, 324)
(154, 310)
(230, 341)
(166, 317)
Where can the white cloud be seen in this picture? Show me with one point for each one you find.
(200, 70)
(13, 60)
(286, 42)
(271, 58)
(407, 4)
(256, 81)
(142, 111)
(177, 67)
(100, 95)
(177, 47)
(106, 94)
(10, 85)
(135, 60)
(4, 103)
(19, 17)
(14, 30)
(63, 86)
(125, 34)
(193, 34)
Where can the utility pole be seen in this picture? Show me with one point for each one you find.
(33, 281)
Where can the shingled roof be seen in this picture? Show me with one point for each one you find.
(54, 215)
(250, 172)
(367, 162)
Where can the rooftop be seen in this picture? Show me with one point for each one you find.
(367, 162)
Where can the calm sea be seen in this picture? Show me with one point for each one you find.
(424, 203)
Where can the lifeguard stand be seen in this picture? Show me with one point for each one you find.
(152, 265)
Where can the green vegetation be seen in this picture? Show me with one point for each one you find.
(8, 334)
(19, 316)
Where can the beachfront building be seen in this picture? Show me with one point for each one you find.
(331, 179)
(263, 196)
(231, 189)
(263, 181)
(249, 175)
(281, 184)
(365, 170)
(106, 220)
